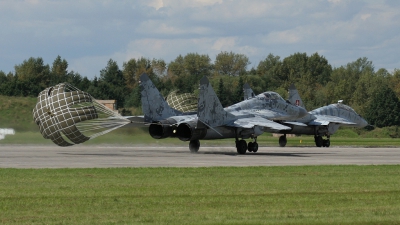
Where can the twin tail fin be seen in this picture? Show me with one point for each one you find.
(210, 111)
(154, 106)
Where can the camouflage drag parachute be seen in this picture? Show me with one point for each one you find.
(64, 112)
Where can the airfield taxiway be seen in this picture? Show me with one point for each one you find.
(81, 156)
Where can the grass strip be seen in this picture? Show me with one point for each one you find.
(216, 195)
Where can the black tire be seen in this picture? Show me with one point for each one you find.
(318, 141)
(241, 147)
(282, 141)
(324, 143)
(328, 143)
(194, 146)
(250, 146)
(255, 147)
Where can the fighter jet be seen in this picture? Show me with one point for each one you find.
(320, 122)
(246, 119)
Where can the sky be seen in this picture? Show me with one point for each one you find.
(87, 33)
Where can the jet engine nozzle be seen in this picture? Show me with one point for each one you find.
(162, 129)
(189, 131)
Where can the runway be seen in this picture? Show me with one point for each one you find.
(23, 156)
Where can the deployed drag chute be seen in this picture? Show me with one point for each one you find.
(186, 102)
(66, 114)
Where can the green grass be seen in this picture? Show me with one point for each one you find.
(16, 113)
(229, 195)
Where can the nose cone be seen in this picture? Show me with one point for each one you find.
(363, 122)
(302, 112)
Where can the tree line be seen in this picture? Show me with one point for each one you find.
(373, 94)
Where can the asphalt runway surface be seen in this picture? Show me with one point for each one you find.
(80, 156)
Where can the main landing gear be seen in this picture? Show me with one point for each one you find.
(194, 146)
(242, 146)
(320, 142)
(282, 140)
(253, 146)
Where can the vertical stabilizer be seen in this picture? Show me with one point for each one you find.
(154, 106)
(248, 92)
(209, 109)
(294, 96)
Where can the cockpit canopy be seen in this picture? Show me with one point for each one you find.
(345, 107)
(269, 95)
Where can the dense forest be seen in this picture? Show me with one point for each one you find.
(372, 93)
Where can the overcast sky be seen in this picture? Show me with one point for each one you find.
(88, 33)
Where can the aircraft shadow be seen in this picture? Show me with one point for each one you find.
(91, 154)
(231, 153)
(283, 154)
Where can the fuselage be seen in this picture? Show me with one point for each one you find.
(342, 111)
(269, 105)
(337, 110)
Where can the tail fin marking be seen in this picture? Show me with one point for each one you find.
(294, 96)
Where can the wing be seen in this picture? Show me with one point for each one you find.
(257, 121)
(325, 120)
(296, 123)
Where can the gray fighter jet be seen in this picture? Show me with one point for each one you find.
(320, 122)
(247, 119)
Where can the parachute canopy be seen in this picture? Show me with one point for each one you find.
(186, 102)
(69, 116)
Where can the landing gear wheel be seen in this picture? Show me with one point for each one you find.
(241, 147)
(250, 146)
(318, 141)
(327, 143)
(194, 146)
(282, 140)
(255, 147)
